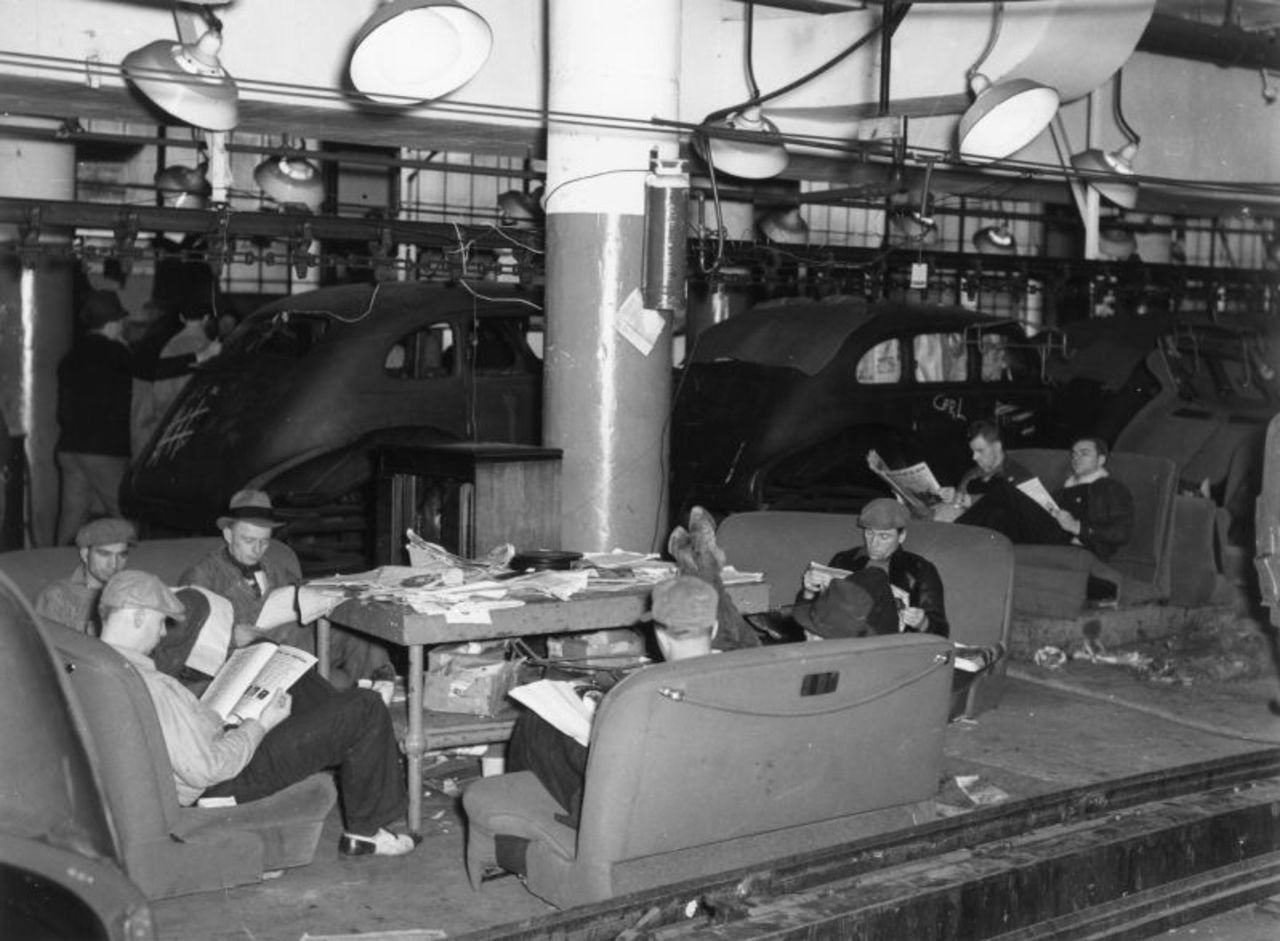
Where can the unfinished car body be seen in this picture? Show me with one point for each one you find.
(310, 384)
(778, 407)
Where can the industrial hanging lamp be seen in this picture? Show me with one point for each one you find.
(995, 240)
(183, 187)
(416, 50)
(1110, 173)
(785, 226)
(186, 80)
(520, 210)
(742, 141)
(291, 180)
(1005, 116)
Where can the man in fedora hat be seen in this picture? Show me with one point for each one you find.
(915, 581)
(104, 546)
(309, 728)
(250, 564)
(857, 606)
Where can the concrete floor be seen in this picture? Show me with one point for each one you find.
(1054, 729)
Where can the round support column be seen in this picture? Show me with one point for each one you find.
(36, 314)
(608, 361)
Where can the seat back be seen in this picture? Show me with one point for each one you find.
(754, 742)
(1152, 481)
(32, 569)
(976, 565)
(126, 734)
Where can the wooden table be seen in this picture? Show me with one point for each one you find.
(400, 624)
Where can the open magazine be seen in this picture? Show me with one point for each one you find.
(915, 486)
(569, 705)
(251, 678)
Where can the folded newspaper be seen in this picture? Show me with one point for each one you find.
(251, 678)
(569, 705)
(915, 486)
(1037, 492)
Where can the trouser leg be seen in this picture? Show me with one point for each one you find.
(106, 474)
(349, 730)
(76, 495)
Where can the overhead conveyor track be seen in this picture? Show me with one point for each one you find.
(1125, 858)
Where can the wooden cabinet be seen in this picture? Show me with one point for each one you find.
(467, 497)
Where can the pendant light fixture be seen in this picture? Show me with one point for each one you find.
(187, 80)
(742, 141)
(183, 187)
(415, 50)
(785, 226)
(291, 180)
(995, 240)
(1005, 116)
(1110, 172)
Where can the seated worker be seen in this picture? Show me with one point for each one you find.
(991, 469)
(915, 581)
(1094, 510)
(104, 546)
(244, 571)
(684, 625)
(310, 729)
(697, 553)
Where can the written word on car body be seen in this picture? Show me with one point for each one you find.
(308, 385)
(779, 406)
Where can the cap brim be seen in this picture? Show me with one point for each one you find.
(225, 521)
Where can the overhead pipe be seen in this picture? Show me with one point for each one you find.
(1226, 46)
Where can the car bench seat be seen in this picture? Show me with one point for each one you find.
(708, 764)
(976, 567)
(1050, 581)
(169, 849)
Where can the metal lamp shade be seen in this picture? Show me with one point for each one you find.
(291, 181)
(415, 50)
(995, 240)
(519, 209)
(1106, 173)
(183, 187)
(785, 227)
(187, 82)
(754, 151)
(1119, 244)
(1004, 118)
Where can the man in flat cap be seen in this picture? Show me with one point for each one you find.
(310, 728)
(251, 564)
(684, 625)
(104, 546)
(914, 580)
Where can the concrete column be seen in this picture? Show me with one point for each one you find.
(36, 315)
(608, 361)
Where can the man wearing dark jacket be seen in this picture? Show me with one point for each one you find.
(913, 578)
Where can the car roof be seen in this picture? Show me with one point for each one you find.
(806, 335)
(350, 303)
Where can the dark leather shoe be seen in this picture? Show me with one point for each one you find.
(382, 843)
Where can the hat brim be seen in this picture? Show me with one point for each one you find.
(225, 521)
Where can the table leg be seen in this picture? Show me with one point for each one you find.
(414, 742)
(322, 647)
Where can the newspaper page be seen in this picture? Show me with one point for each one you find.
(297, 603)
(569, 706)
(915, 485)
(1037, 492)
(251, 677)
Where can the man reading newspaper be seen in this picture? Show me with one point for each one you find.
(311, 728)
